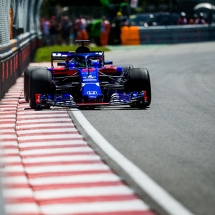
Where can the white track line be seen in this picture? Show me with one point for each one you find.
(52, 143)
(39, 113)
(10, 151)
(59, 158)
(33, 116)
(18, 192)
(39, 120)
(8, 136)
(9, 116)
(48, 125)
(24, 209)
(12, 169)
(69, 209)
(108, 177)
(53, 150)
(80, 192)
(11, 125)
(11, 159)
(14, 180)
(49, 136)
(63, 168)
(155, 191)
(48, 131)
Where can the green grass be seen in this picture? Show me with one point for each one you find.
(43, 54)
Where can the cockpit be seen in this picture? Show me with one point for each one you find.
(85, 61)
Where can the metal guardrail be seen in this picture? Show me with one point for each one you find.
(14, 58)
(167, 34)
(19, 37)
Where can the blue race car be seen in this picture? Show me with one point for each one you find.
(84, 78)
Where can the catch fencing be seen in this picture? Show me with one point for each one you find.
(20, 36)
(167, 34)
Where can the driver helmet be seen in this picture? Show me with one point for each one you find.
(81, 62)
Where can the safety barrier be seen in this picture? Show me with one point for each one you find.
(166, 34)
(19, 36)
(14, 58)
(130, 35)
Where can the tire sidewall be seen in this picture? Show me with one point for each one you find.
(40, 82)
(139, 80)
(27, 72)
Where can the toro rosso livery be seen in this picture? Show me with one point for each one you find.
(84, 78)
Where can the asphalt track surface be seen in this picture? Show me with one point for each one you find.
(173, 141)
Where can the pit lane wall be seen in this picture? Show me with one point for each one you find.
(20, 36)
(137, 35)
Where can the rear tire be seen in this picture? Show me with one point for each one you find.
(40, 83)
(139, 80)
(27, 73)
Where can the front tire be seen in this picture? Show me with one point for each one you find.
(139, 80)
(28, 70)
(40, 83)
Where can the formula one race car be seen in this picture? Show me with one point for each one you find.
(84, 78)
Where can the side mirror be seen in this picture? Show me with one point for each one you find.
(108, 62)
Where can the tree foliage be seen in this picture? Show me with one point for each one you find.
(47, 5)
(143, 5)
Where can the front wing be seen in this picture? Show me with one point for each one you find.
(66, 100)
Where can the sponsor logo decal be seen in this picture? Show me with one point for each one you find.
(91, 93)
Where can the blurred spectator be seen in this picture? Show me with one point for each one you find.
(66, 26)
(200, 20)
(45, 25)
(105, 30)
(192, 20)
(182, 19)
(118, 23)
(74, 30)
(95, 31)
(80, 26)
(88, 27)
(53, 30)
(58, 38)
(195, 18)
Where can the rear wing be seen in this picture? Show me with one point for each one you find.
(61, 56)
(58, 56)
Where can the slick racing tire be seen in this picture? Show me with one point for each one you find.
(139, 80)
(40, 83)
(27, 73)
